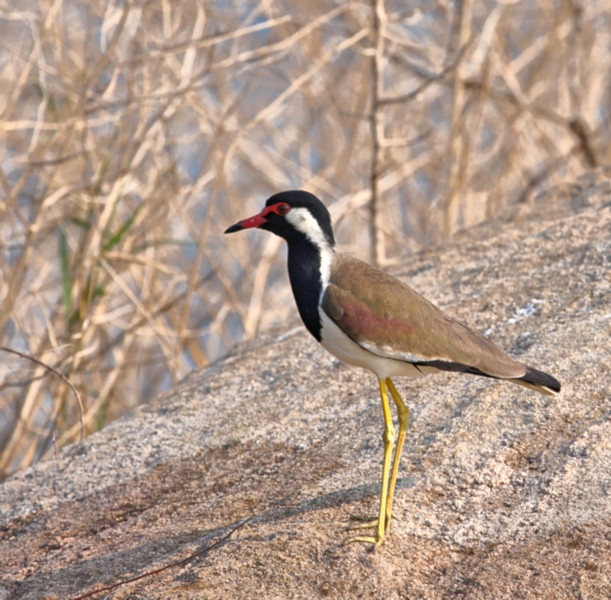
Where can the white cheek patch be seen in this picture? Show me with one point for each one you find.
(302, 220)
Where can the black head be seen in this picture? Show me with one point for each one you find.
(293, 215)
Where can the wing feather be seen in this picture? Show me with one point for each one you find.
(388, 318)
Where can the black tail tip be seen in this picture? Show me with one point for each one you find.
(540, 379)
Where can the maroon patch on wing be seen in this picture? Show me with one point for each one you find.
(360, 322)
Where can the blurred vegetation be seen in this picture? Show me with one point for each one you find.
(134, 132)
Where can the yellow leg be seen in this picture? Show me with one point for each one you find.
(403, 413)
(388, 437)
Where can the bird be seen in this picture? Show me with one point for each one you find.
(370, 319)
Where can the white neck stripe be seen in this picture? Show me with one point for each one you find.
(302, 220)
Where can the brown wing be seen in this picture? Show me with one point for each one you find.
(390, 319)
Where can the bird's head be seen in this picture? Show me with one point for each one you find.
(293, 215)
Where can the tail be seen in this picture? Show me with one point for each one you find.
(538, 381)
(532, 379)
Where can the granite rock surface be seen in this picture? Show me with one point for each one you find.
(249, 470)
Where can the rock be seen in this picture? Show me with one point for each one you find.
(253, 466)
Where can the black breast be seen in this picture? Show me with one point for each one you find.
(304, 273)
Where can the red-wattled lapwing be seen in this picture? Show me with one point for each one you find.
(367, 318)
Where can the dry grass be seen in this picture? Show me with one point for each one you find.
(135, 132)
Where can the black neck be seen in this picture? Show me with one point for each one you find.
(304, 272)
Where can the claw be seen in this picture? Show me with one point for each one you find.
(367, 539)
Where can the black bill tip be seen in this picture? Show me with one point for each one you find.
(236, 227)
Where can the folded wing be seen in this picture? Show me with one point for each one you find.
(390, 319)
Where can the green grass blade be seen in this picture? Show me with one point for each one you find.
(64, 260)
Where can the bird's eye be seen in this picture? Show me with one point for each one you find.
(282, 209)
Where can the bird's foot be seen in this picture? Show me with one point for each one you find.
(363, 522)
(374, 540)
(367, 522)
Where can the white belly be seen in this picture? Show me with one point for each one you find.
(335, 341)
